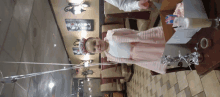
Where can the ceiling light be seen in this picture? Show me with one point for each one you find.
(51, 85)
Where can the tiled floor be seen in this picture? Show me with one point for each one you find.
(28, 32)
(179, 84)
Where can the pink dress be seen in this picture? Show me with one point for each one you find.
(148, 52)
(148, 47)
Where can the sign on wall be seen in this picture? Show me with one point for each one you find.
(80, 24)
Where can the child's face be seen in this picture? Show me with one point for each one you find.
(96, 45)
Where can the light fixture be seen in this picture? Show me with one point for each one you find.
(76, 7)
(88, 79)
(82, 82)
(89, 89)
(83, 34)
(51, 85)
(86, 64)
(86, 57)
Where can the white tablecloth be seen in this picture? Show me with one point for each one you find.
(192, 9)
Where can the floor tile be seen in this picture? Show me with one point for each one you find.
(8, 69)
(161, 82)
(164, 89)
(172, 79)
(153, 95)
(5, 17)
(23, 83)
(155, 79)
(149, 86)
(166, 94)
(148, 72)
(176, 86)
(201, 94)
(34, 32)
(194, 83)
(211, 85)
(7, 90)
(39, 10)
(28, 55)
(22, 13)
(181, 94)
(187, 72)
(14, 41)
(159, 77)
(15, 47)
(172, 92)
(10, 4)
(182, 81)
(165, 78)
(218, 74)
(153, 86)
(168, 85)
(19, 91)
(147, 82)
(159, 89)
(149, 94)
(188, 92)
(145, 74)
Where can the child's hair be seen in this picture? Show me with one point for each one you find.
(82, 45)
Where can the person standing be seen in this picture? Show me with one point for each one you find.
(130, 5)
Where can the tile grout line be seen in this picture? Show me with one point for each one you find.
(32, 45)
(23, 45)
(1, 49)
(5, 40)
(217, 76)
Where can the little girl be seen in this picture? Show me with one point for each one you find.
(123, 45)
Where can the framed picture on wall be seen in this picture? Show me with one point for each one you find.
(79, 24)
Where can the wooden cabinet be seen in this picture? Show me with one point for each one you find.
(117, 94)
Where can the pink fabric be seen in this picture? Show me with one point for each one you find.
(145, 51)
(179, 11)
(152, 38)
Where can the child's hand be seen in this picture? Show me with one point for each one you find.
(144, 4)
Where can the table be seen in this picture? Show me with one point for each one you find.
(211, 55)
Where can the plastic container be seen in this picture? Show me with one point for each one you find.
(191, 23)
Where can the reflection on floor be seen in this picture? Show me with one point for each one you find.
(28, 32)
(179, 84)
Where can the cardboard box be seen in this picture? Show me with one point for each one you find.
(168, 7)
